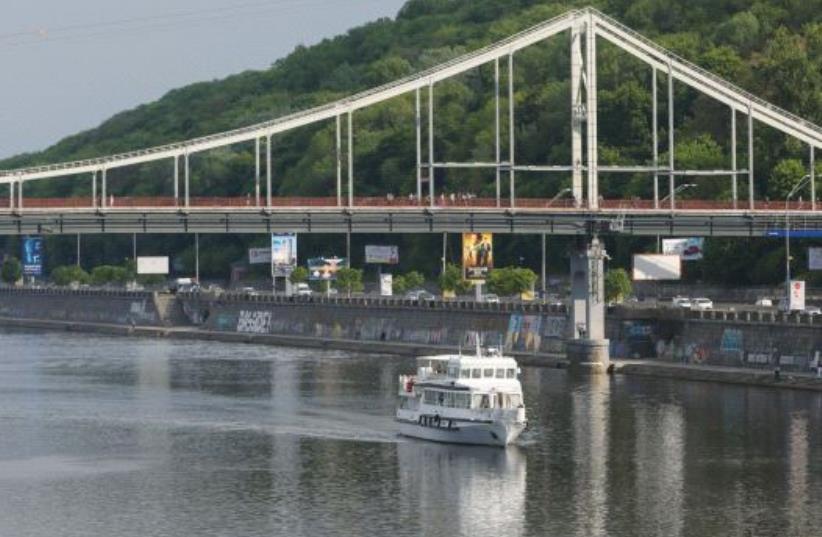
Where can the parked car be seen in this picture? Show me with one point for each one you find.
(813, 310)
(491, 298)
(681, 302)
(420, 295)
(764, 302)
(302, 289)
(702, 304)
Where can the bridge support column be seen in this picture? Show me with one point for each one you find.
(587, 349)
(577, 112)
(11, 195)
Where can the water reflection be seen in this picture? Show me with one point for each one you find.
(129, 437)
(464, 490)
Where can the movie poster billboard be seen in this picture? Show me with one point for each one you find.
(324, 268)
(477, 255)
(33, 255)
(283, 253)
(384, 255)
(690, 249)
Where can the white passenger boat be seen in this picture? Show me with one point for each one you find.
(464, 399)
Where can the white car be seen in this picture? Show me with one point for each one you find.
(702, 304)
(812, 311)
(491, 298)
(681, 302)
(764, 302)
(302, 289)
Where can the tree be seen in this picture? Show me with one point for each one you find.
(298, 275)
(399, 285)
(12, 270)
(452, 281)
(786, 174)
(68, 274)
(106, 274)
(349, 280)
(511, 280)
(414, 279)
(617, 285)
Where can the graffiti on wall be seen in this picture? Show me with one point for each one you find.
(731, 340)
(254, 322)
(554, 327)
(523, 333)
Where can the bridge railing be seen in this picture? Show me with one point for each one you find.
(445, 201)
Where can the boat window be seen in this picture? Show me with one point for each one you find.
(463, 400)
(514, 400)
(465, 374)
(453, 372)
(500, 373)
(511, 373)
(488, 373)
(430, 397)
(476, 373)
(485, 401)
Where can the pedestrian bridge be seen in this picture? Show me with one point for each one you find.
(579, 209)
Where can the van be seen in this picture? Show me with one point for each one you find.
(302, 289)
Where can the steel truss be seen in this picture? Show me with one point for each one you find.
(584, 27)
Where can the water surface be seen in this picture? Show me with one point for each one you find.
(105, 436)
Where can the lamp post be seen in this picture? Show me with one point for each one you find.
(793, 191)
(543, 272)
(677, 190)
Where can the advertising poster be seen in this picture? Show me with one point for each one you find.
(32, 255)
(324, 268)
(283, 253)
(797, 298)
(477, 255)
(259, 256)
(386, 285)
(687, 249)
(152, 265)
(523, 333)
(815, 258)
(657, 267)
(385, 255)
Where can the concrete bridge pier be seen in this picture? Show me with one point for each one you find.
(587, 348)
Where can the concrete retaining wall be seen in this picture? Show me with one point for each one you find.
(110, 307)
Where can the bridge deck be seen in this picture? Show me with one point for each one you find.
(380, 215)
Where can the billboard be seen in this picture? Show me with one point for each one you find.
(386, 255)
(324, 268)
(797, 296)
(815, 258)
(259, 256)
(32, 255)
(152, 265)
(477, 255)
(657, 267)
(687, 249)
(283, 253)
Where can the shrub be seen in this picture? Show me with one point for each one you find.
(12, 270)
(67, 274)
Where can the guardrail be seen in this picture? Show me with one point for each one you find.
(383, 302)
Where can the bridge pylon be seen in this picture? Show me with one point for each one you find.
(587, 347)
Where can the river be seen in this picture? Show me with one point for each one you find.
(105, 436)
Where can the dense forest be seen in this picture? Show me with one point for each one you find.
(771, 48)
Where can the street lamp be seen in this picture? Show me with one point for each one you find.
(559, 195)
(677, 190)
(793, 191)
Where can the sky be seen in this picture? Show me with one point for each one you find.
(67, 65)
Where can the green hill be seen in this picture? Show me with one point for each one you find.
(771, 48)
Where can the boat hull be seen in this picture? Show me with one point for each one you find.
(464, 432)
